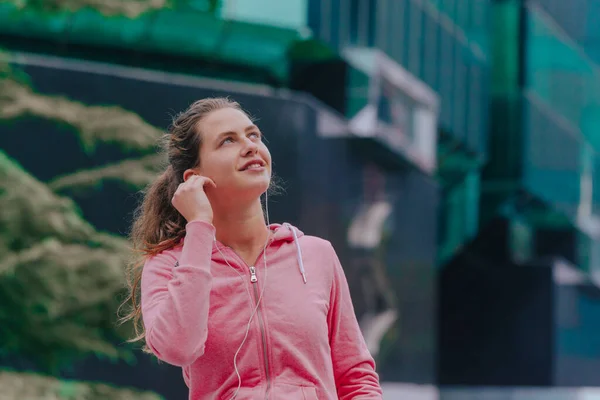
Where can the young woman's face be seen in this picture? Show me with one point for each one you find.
(233, 154)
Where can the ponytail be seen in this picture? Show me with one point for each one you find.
(157, 227)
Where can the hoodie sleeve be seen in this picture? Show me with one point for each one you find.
(353, 366)
(175, 298)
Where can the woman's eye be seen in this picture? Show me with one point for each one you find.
(227, 140)
(255, 134)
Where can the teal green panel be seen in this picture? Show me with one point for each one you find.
(552, 157)
(558, 71)
(472, 17)
(91, 27)
(459, 215)
(505, 37)
(32, 23)
(282, 13)
(170, 32)
(258, 45)
(590, 125)
(179, 33)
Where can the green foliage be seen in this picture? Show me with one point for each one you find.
(94, 124)
(60, 279)
(30, 212)
(24, 386)
(130, 8)
(134, 174)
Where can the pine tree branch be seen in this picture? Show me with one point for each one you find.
(134, 173)
(21, 386)
(60, 280)
(95, 124)
(130, 8)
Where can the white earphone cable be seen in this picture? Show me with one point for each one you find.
(264, 284)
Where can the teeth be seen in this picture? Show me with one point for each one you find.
(252, 166)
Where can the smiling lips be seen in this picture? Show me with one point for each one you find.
(254, 165)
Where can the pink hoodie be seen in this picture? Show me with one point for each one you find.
(303, 343)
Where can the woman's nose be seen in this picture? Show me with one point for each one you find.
(250, 147)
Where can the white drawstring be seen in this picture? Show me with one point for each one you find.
(298, 251)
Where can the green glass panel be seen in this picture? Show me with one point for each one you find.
(90, 27)
(288, 13)
(32, 23)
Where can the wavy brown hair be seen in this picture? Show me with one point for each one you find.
(157, 225)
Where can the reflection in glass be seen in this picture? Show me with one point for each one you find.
(369, 229)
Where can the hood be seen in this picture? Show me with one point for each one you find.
(281, 233)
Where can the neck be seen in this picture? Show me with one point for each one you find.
(241, 228)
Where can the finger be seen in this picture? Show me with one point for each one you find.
(193, 178)
(205, 181)
(209, 182)
(190, 175)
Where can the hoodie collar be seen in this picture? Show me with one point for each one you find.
(280, 233)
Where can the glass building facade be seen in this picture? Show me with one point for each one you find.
(545, 106)
(446, 45)
(442, 42)
(561, 106)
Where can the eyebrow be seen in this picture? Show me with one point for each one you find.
(247, 129)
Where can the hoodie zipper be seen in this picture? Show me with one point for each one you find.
(254, 281)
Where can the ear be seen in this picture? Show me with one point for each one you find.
(188, 174)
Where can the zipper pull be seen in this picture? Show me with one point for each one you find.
(253, 277)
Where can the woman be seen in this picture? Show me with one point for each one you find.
(248, 310)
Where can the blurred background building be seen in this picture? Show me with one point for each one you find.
(447, 148)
